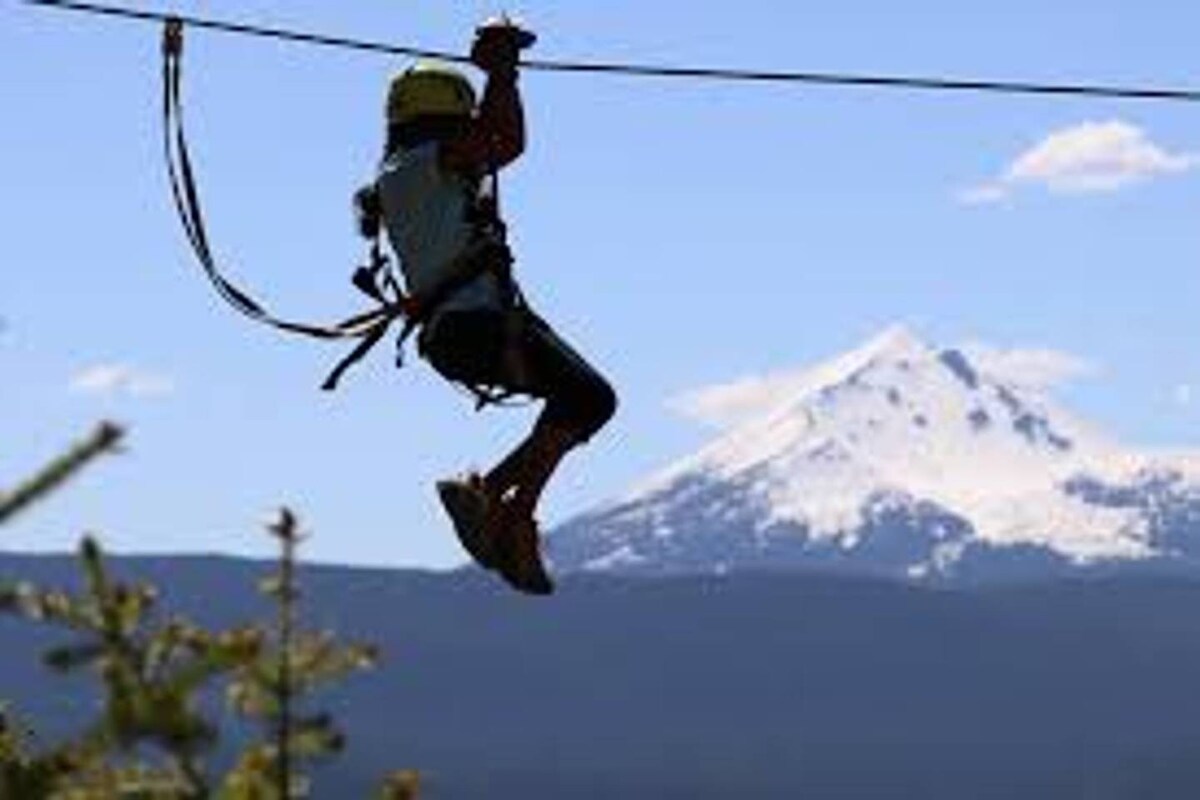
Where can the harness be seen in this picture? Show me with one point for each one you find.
(487, 252)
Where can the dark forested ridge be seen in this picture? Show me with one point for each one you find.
(743, 686)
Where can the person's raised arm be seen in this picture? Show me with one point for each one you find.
(496, 135)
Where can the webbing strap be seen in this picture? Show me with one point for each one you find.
(369, 326)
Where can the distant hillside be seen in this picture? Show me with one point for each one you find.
(749, 686)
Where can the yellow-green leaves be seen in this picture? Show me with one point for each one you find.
(153, 736)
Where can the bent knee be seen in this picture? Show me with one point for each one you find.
(583, 407)
(596, 408)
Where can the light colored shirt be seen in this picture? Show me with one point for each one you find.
(425, 210)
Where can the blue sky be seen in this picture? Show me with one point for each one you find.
(682, 234)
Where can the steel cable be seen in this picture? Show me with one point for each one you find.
(927, 83)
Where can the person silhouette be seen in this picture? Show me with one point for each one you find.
(437, 198)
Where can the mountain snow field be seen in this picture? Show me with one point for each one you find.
(904, 459)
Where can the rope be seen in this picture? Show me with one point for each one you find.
(929, 83)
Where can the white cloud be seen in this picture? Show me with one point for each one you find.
(110, 380)
(728, 404)
(1033, 368)
(1089, 157)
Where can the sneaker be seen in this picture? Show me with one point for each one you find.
(518, 555)
(467, 504)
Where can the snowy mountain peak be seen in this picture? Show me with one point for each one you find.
(894, 401)
(896, 342)
(896, 348)
(896, 429)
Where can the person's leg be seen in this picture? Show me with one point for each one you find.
(464, 346)
(521, 477)
(510, 531)
(578, 403)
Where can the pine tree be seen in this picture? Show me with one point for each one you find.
(272, 688)
(105, 439)
(152, 738)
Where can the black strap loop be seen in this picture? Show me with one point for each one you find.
(369, 326)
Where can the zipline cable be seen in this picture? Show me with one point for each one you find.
(1112, 92)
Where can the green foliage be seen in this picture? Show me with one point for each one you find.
(23, 774)
(151, 671)
(151, 739)
(105, 439)
(273, 688)
(401, 785)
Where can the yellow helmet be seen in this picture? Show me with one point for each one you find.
(429, 88)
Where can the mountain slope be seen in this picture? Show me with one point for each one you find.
(901, 459)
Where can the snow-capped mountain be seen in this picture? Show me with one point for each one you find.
(899, 458)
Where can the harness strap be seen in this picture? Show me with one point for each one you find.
(369, 326)
(483, 255)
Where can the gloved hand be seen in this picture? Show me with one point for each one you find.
(498, 44)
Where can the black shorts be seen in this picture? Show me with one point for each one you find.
(470, 347)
